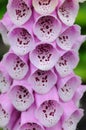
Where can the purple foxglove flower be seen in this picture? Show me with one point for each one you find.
(3, 32)
(66, 63)
(67, 87)
(68, 11)
(67, 39)
(78, 95)
(19, 11)
(6, 110)
(29, 122)
(21, 95)
(48, 110)
(16, 66)
(44, 7)
(5, 80)
(12, 122)
(41, 81)
(45, 28)
(71, 122)
(43, 56)
(21, 40)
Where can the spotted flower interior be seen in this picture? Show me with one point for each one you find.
(38, 87)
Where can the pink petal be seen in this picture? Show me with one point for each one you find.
(67, 39)
(66, 63)
(71, 122)
(15, 66)
(48, 110)
(43, 56)
(21, 96)
(47, 28)
(68, 11)
(67, 87)
(45, 7)
(42, 82)
(21, 41)
(6, 110)
(19, 11)
(5, 80)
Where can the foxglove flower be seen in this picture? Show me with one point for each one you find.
(38, 87)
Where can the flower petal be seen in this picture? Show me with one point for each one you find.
(43, 56)
(47, 28)
(19, 11)
(15, 66)
(45, 7)
(49, 113)
(42, 82)
(66, 63)
(68, 11)
(67, 88)
(67, 39)
(21, 41)
(71, 123)
(21, 97)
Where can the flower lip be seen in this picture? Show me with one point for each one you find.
(21, 40)
(19, 11)
(47, 28)
(43, 56)
(16, 67)
(41, 81)
(44, 7)
(67, 11)
(21, 97)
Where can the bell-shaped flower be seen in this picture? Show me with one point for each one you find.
(13, 120)
(21, 95)
(5, 80)
(67, 39)
(19, 11)
(71, 122)
(41, 81)
(21, 40)
(47, 28)
(16, 67)
(68, 11)
(28, 120)
(6, 110)
(45, 7)
(48, 110)
(67, 87)
(66, 63)
(43, 56)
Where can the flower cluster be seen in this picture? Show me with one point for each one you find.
(39, 89)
